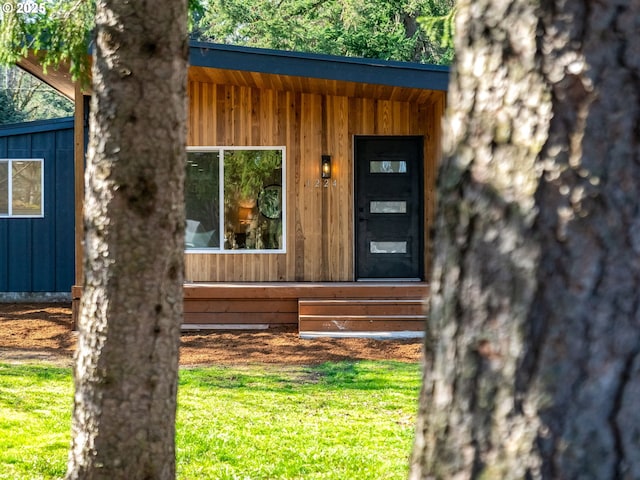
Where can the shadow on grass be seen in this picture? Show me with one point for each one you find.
(352, 375)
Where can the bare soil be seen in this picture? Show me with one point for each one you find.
(44, 332)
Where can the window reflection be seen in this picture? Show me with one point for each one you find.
(379, 206)
(4, 188)
(388, 247)
(387, 166)
(248, 214)
(202, 203)
(21, 186)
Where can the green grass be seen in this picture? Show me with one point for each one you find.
(334, 421)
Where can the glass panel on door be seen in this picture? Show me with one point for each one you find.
(388, 247)
(387, 166)
(377, 206)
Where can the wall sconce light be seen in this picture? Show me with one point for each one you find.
(326, 166)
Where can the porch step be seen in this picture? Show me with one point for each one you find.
(357, 317)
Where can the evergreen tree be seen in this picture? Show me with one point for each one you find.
(9, 113)
(532, 348)
(26, 98)
(386, 29)
(131, 310)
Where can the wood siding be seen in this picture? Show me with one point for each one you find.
(319, 221)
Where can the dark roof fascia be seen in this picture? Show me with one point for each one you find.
(312, 65)
(36, 126)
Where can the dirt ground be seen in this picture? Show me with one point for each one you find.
(44, 332)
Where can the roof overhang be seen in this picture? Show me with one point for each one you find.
(314, 73)
(59, 78)
(327, 67)
(293, 71)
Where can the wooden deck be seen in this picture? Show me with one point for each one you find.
(375, 309)
(362, 309)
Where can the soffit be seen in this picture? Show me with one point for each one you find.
(59, 78)
(299, 84)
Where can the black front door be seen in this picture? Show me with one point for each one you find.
(389, 208)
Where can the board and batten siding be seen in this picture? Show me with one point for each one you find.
(37, 254)
(320, 222)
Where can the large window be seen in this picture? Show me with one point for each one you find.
(21, 187)
(234, 199)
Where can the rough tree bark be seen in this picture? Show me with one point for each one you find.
(131, 310)
(532, 362)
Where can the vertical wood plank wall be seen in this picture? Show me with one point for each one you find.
(319, 223)
(37, 254)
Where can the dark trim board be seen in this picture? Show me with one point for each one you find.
(310, 65)
(37, 126)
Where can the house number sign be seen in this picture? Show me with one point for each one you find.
(321, 182)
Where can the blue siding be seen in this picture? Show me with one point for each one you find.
(37, 254)
(21, 257)
(64, 210)
(4, 235)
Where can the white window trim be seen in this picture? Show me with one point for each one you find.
(10, 187)
(221, 250)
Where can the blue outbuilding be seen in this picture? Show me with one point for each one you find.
(37, 210)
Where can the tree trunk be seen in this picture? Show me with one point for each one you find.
(131, 310)
(532, 362)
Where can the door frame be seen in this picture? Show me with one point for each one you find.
(420, 139)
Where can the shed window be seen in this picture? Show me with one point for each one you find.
(21, 187)
(234, 199)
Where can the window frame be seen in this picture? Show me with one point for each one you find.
(221, 250)
(9, 162)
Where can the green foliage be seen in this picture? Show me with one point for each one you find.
(9, 113)
(196, 12)
(59, 32)
(440, 28)
(247, 172)
(332, 421)
(386, 29)
(24, 98)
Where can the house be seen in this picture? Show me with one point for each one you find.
(310, 188)
(36, 199)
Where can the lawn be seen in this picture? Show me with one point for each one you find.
(346, 420)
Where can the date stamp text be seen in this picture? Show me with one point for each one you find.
(23, 8)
